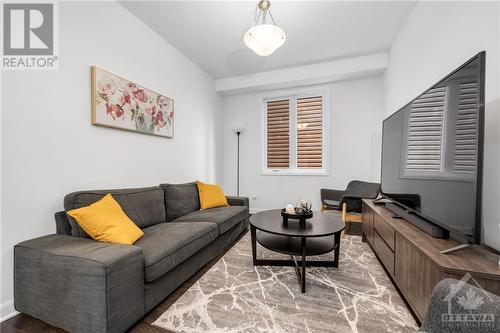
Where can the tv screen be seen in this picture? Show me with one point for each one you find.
(432, 152)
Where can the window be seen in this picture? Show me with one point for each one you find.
(278, 130)
(295, 134)
(309, 132)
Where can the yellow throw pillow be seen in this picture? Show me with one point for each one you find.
(211, 196)
(105, 221)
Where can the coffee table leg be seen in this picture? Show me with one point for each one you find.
(337, 250)
(303, 279)
(253, 234)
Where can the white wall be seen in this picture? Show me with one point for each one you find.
(437, 38)
(355, 134)
(49, 147)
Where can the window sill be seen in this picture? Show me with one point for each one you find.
(296, 172)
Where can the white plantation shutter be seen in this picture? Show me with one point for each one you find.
(294, 132)
(309, 132)
(425, 134)
(466, 129)
(278, 134)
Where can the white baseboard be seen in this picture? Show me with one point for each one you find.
(256, 210)
(7, 310)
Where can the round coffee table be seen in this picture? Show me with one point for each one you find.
(320, 235)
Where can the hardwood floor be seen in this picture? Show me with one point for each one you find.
(26, 324)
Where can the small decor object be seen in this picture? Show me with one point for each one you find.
(302, 211)
(290, 209)
(264, 37)
(303, 206)
(211, 196)
(122, 104)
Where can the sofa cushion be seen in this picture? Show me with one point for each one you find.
(144, 206)
(225, 217)
(180, 199)
(105, 221)
(211, 196)
(166, 245)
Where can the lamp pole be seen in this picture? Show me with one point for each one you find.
(238, 132)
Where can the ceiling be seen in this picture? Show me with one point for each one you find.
(211, 32)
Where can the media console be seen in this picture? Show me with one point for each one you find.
(413, 260)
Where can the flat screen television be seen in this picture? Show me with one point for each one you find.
(432, 152)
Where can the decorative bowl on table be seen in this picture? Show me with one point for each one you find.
(299, 214)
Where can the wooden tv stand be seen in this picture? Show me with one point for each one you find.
(413, 260)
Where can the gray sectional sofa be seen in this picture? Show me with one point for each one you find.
(73, 282)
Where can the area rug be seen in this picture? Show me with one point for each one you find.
(234, 296)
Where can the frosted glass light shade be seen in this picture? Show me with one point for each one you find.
(264, 39)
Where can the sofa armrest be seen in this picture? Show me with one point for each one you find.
(62, 223)
(238, 201)
(327, 194)
(79, 284)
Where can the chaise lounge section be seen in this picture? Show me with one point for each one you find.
(76, 283)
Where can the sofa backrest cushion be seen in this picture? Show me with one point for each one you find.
(144, 206)
(180, 199)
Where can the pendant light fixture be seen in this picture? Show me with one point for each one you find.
(264, 38)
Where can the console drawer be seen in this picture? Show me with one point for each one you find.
(384, 253)
(384, 230)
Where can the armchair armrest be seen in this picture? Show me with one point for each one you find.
(351, 196)
(327, 194)
(353, 202)
(238, 201)
(79, 284)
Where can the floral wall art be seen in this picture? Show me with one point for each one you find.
(122, 104)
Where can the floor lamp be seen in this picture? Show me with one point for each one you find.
(238, 132)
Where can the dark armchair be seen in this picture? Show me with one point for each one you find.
(351, 196)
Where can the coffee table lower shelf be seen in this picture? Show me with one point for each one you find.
(296, 246)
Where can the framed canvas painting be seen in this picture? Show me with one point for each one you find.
(122, 104)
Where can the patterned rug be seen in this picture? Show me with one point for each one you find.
(234, 296)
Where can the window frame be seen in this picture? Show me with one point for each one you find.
(292, 96)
